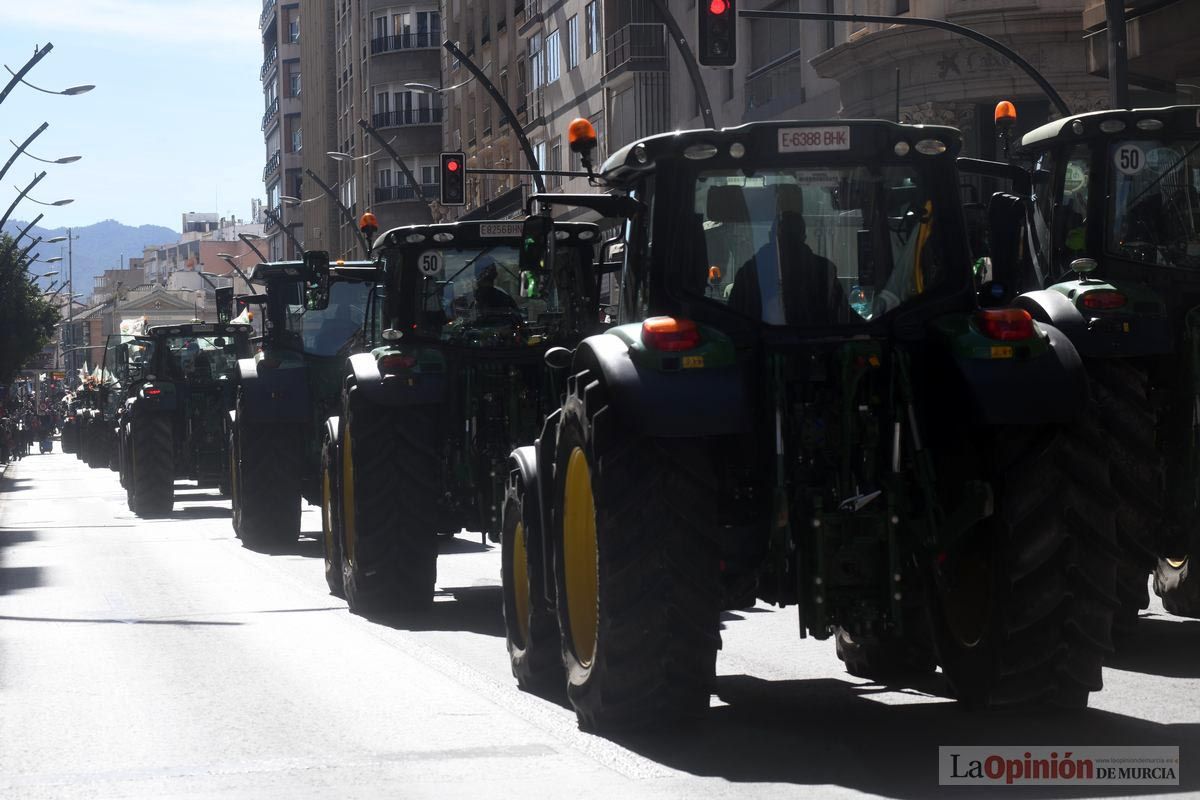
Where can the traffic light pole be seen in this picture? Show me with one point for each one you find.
(412, 179)
(924, 22)
(689, 62)
(505, 109)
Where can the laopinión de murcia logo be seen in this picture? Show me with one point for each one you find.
(1058, 766)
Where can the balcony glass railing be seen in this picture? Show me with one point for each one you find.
(638, 41)
(406, 41)
(409, 116)
(385, 194)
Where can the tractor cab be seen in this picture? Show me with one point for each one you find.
(468, 284)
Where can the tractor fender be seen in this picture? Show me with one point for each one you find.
(273, 395)
(1145, 335)
(405, 389)
(693, 402)
(1049, 389)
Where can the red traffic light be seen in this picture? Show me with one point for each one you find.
(718, 7)
(452, 166)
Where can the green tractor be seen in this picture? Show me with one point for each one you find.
(455, 377)
(98, 428)
(804, 403)
(178, 381)
(1114, 263)
(313, 320)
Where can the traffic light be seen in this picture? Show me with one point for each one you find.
(454, 179)
(717, 23)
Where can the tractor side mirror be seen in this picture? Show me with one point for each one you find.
(535, 242)
(316, 264)
(224, 296)
(612, 256)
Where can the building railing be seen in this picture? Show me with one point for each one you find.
(267, 13)
(271, 113)
(270, 60)
(532, 14)
(272, 165)
(637, 41)
(384, 194)
(783, 81)
(406, 41)
(408, 116)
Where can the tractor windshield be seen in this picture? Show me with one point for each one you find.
(200, 359)
(816, 246)
(332, 330)
(479, 297)
(1154, 196)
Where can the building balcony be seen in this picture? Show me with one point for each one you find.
(406, 41)
(389, 194)
(781, 86)
(272, 165)
(269, 62)
(639, 46)
(268, 13)
(272, 114)
(406, 117)
(529, 16)
(534, 110)
(269, 220)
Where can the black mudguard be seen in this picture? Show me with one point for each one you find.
(694, 402)
(1146, 335)
(273, 394)
(407, 389)
(1048, 389)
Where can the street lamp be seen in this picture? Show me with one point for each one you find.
(63, 160)
(70, 91)
(64, 202)
(230, 259)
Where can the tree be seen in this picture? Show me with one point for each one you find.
(27, 320)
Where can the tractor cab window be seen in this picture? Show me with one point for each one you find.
(201, 359)
(333, 330)
(815, 246)
(478, 296)
(1154, 201)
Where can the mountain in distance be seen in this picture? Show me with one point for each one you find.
(96, 248)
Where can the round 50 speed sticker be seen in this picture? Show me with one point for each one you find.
(430, 263)
(1129, 159)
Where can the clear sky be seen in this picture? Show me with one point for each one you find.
(172, 125)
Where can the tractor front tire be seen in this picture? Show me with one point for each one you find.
(266, 513)
(1023, 607)
(1177, 586)
(636, 566)
(390, 485)
(152, 468)
(331, 528)
(1119, 391)
(530, 622)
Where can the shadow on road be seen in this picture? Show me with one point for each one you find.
(831, 732)
(454, 545)
(17, 579)
(474, 609)
(201, 512)
(1159, 646)
(115, 621)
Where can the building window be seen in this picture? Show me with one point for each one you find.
(535, 62)
(592, 27)
(487, 119)
(383, 178)
(297, 139)
(429, 175)
(572, 51)
(552, 56)
(294, 30)
(539, 154)
(294, 83)
(556, 165)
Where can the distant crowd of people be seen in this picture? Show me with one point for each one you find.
(23, 425)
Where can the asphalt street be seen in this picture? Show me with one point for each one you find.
(160, 658)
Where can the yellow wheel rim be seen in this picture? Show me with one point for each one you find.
(580, 557)
(327, 509)
(348, 522)
(520, 579)
(1177, 563)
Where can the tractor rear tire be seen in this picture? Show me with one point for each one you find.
(1177, 586)
(1119, 393)
(152, 468)
(331, 527)
(390, 484)
(636, 565)
(530, 623)
(1023, 607)
(266, 514)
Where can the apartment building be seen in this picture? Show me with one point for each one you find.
(376, 61)
(1161, 48)
(281, 125)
